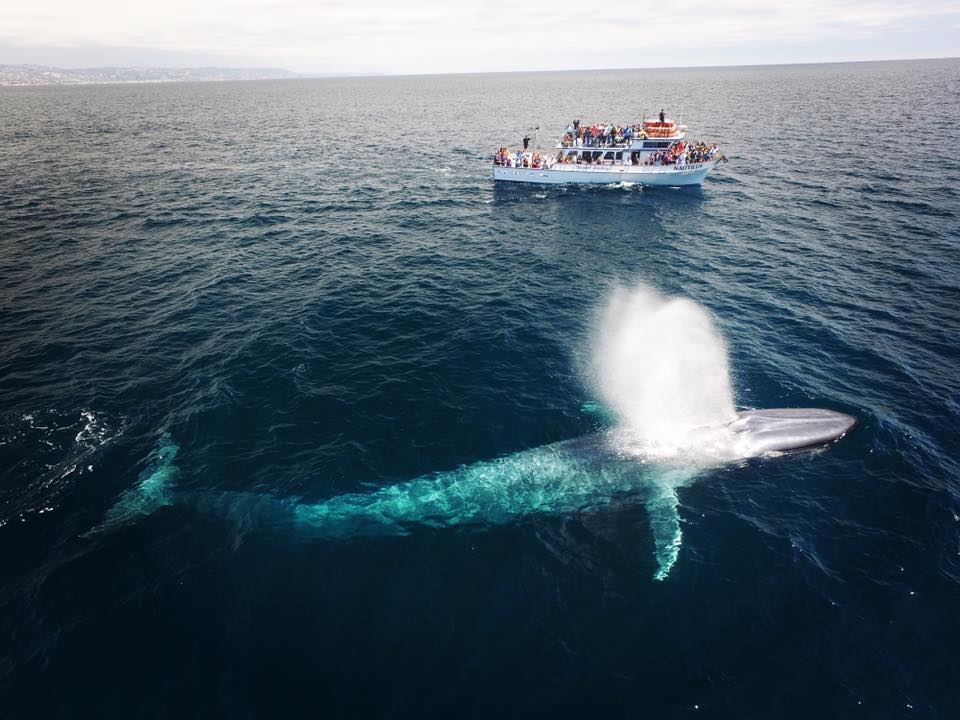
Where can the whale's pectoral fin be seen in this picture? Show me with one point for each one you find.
(151, 491)
(665, 524)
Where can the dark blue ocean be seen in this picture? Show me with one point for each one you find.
(223, 304)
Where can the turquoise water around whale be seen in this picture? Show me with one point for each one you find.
(230, 310)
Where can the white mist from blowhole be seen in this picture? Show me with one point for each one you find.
(660, 365)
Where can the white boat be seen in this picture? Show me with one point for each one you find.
(654, 152)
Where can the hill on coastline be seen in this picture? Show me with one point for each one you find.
(47, 75)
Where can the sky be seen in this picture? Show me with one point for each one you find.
(353, 37)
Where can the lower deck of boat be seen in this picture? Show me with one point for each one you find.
(653, 175)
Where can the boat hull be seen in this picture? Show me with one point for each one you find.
(650, 175)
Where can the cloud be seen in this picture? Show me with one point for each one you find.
(440, 35)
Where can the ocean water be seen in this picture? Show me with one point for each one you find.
(286, 385)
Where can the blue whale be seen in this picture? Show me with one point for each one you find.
(555, 479)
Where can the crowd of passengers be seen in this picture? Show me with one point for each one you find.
(701, 152)
(600, 135)
(518, 159)
(680, 154)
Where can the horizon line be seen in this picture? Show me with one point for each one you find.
(635, 67)
(348, 75)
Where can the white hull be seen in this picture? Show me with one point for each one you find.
(652, 175)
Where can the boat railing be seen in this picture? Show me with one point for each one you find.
(614, 145)
(635, 143)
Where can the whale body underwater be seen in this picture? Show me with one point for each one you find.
(555, 479)
(660, 366)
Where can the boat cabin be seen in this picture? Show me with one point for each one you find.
(636, 154)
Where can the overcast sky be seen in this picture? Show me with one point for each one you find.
(435, 36)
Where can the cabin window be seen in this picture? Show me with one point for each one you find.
(656, 144)
(609, 156)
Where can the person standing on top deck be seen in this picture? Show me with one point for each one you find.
(526, 141)
(662, 116)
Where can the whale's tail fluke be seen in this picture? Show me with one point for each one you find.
(151, 491)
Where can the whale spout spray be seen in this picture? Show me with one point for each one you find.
(661, 365)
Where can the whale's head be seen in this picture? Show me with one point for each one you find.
(760, 432)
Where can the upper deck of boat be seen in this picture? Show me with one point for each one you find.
(647, 135)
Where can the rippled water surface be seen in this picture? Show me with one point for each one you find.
(221, 304)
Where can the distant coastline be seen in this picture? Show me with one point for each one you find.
(41, 75)
(35, 75)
